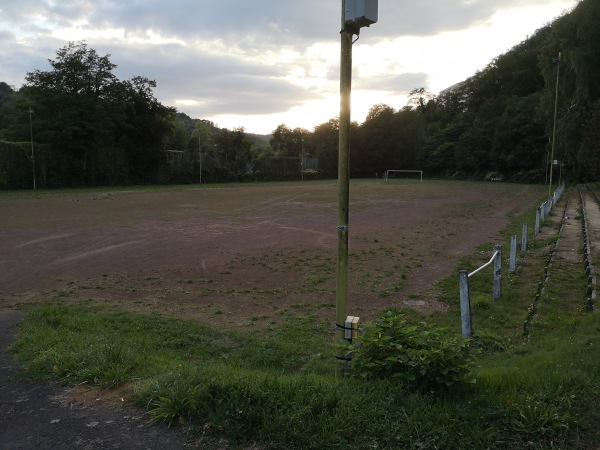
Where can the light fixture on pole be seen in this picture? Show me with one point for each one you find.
(31, 137)
(355, 15)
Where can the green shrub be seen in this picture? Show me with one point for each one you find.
(417, 354)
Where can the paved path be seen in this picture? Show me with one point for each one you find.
(33, 417)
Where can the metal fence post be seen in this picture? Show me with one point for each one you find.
(513, 255)
(537, 222)
(524, 239)
(465, 304)
(543, 212)
(498, 273)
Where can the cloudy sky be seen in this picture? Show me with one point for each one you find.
(260, 63)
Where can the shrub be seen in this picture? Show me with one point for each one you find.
(491, 176)
(417, 354)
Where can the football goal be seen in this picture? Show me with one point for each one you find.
(403, 174)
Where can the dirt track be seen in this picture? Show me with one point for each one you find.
(245, 251)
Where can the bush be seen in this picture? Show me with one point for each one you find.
(421, 354)
(494, 176)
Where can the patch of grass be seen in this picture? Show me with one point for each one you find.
(280, 389)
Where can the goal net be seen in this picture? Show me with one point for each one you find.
(403, 175)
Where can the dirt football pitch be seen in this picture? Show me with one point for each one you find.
(242, 255)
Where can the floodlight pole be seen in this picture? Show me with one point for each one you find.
(343, 188)
(554, 127)
(302, 160)
(31, 136)
(199, 159)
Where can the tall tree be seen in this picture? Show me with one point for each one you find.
(326, 139)
(282, 140)
(100, 130)
(233, 150)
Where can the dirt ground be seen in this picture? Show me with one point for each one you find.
(238, 256)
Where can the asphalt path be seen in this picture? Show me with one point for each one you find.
(32, 415)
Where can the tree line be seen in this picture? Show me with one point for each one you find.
(93, 129)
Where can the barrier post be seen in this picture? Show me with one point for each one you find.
(537, 222)
(498, 273)
(512, 267)
(543, 212)
(465, 304)
(524, 239)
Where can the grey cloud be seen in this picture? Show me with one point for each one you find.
(262, 22)
(18, 59)
(223, 83)
(291, 22)
(398, 84)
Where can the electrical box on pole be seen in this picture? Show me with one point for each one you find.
(361, 13)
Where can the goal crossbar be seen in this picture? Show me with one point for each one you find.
(387, 173)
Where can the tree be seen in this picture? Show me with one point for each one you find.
(204, 138)
(376, 148)
(282, 140)
(233, 150)
(575, 36)
(420, 99)
(6, 92)
(100, 130)
(6, 95)
(326, 142)
(72, 103)
(145, 130)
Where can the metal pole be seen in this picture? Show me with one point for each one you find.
(513, 254)
(465, 304)
(498, 273)
(554, 127)
(302, 160)
(524, 239)
(560, 173)
(200, 158)
(32, 154)
(343, 186)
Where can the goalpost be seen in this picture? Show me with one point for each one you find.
(387, 173)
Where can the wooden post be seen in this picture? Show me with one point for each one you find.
(343, 186)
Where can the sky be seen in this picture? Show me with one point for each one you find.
(261, 63)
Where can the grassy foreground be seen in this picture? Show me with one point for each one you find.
(534, 391)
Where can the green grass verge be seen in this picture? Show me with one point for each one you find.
(278, 389)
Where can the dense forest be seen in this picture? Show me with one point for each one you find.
(78, 125)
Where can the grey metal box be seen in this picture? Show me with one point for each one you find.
(361, 12)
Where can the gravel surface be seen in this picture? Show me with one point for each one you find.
(40, 415)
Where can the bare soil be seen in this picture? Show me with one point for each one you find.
(236, 256)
